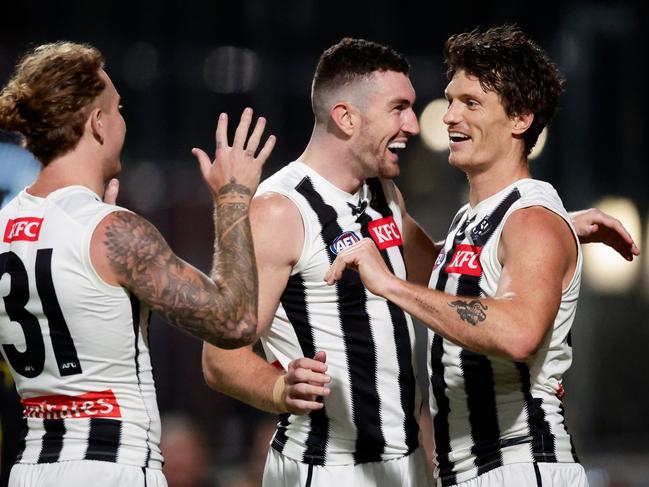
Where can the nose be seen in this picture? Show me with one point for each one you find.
(451, 115)
(410, 123)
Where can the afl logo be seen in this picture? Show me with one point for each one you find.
(344, 240)
(440, 258)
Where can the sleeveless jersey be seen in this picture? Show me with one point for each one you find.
(487, 411)
(371, 413)
(77, 347)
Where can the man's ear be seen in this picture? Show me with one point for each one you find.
(96, 127)
(344, 117)
(522, 123)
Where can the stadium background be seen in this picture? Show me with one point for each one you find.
(177, 64)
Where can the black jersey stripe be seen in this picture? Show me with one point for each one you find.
(437, 382)
(52, 443)
(543, 441)
(573, 450)
(440, 421)
(136, 311)
(104, 439)
(293, 300)
(280, 438)
(407, 381)
(357, 335)
(64, 350)
(476, 368)
(22, 439)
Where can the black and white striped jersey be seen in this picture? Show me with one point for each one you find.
(371, 413)
(77, 347)
(489, 411)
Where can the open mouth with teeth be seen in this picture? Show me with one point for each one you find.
(458, 137)
(395, 147)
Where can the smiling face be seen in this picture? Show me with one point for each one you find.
(480, 132)
(387, 121)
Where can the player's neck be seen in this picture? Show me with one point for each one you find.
(333, 162)
(70, 169)
(486, 183)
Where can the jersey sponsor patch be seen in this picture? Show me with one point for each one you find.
(27, 229)
(342, 241)
(100, 404)
(466, 260)
(385, 232)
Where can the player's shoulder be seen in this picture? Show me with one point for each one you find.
(284, 180)
(274, 208)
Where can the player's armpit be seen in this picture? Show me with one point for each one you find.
(127, 250)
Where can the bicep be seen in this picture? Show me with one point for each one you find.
(538, 255)
(278, 236)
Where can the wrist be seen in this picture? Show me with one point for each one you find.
(279, 401)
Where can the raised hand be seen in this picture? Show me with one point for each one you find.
(595, 226)
(236, 169)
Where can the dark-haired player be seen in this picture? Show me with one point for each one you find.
(340, 190)
(503, 294)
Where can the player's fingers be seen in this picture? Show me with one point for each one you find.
(300, 406)
(112, 190)
(335, 272)
(307, 391)
(221, 134)
(242, 129)
(320, 356)
(203, 161)
(306, 375)
(255, 137)
(309, 364)
(267, 149)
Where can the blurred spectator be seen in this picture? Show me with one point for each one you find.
(18, 167)
(184, 451)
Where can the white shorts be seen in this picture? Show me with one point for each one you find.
(82, 473)
(530, 475)
(281, 471)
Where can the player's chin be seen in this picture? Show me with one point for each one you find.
(389, 170)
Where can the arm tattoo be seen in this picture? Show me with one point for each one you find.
(215, 311)
(472, 312)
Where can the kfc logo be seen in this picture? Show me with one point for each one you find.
(27, 229)
(385, 232)
(466, 260)
(102, 404)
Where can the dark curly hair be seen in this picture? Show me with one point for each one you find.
(48, 97)
(509, 63)
(349, 61)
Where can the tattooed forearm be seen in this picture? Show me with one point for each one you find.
(207, 309)
(473, 312)
(235, 268)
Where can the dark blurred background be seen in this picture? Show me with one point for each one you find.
(177, 64)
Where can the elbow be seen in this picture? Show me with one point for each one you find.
(235, 335)
(210, 372)
(523, 348)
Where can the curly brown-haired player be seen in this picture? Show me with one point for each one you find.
(503, 292)
(79, 277)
